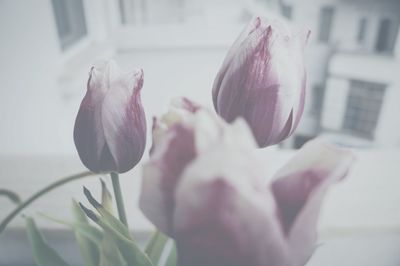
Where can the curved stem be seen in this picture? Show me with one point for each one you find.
(118, 198)
(40, 193)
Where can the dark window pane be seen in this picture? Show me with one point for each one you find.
(363, 108)
(326, 21)
(70, 21)
(382, 42)
(287, 11)
(62, 21)
(362, 30)
(387, 35)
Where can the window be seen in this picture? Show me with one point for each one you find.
(386, 37)
(70, 20)
(362, 29)
(287, 11)
(363, 107)
(300, 140)
(325, 26)
(317, 99)
(122, 11)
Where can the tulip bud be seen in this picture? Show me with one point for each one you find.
(263, 79)
(110, 128)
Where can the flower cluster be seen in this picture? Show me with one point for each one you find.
(205, 183)
(205, 186)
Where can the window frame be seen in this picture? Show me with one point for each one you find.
(358, 120)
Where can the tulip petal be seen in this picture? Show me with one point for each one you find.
(163, 172)
(123, 119)
(224, 216)
(254, 24)
(88, 131)
(299, 189)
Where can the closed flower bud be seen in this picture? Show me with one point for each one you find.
(263, 79)
(110, 128)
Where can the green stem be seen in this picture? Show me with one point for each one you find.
(118, 198)
(40, 193)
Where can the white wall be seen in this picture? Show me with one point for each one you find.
(29, 52)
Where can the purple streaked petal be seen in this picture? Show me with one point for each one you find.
(254, 89)
(254, 24)
(263, 80)
(124, 122)
(299, 189)
(88, 130)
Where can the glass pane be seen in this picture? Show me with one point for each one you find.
(70, 21)
(62, 21)
(326, 19)
(287, 11)
(382, 42)
(362, 30)
(363, 108)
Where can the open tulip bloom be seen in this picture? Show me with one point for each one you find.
(204, 185)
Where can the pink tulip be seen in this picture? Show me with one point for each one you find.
(212, 196)
(178, 137)
(110, 128)
(263, 80)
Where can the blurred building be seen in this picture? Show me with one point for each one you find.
(354, 64)
(48, 47)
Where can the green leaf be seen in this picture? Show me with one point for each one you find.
(11, 195)
(87, 245)
(128, 248)
(91, 232)
(43, 254)
(106, 198)
(79, 215)
(108, 217)
(109, 253)
(155, 247)
(173, 257)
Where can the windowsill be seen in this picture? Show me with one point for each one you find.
(375, 208)
(360, 215)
